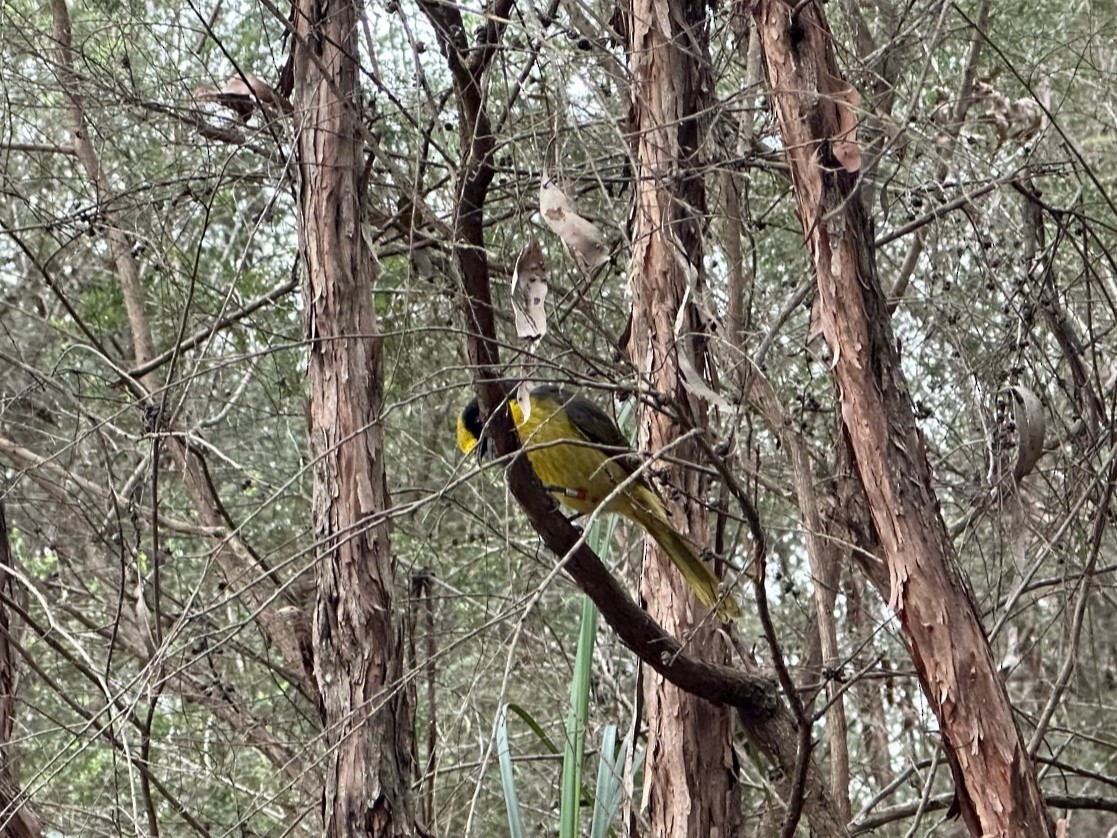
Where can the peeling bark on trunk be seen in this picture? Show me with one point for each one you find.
(995, 783)
(691, 785)
(358, 649)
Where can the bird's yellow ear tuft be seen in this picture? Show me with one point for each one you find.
(517, 411)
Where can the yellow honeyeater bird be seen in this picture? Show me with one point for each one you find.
(580, 456)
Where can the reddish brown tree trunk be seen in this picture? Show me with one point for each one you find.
(996, 786)
(357, 647)
(692, 788)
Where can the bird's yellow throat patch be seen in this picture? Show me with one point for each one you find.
(466, 440)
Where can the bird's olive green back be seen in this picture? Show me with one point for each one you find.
(590, 421)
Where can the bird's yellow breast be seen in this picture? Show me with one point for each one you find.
(580, 474)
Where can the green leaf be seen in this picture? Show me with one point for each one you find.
(507, 782)
(599, 538)
(610, 782)
(535, 727)
(574, 752)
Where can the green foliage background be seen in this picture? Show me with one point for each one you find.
(987, 302)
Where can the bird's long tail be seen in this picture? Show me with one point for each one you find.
(683, 555)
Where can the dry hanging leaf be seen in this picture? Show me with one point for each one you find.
(523, 396)
(212, 120)
(1012, 120)
(1017, 434)
(529, 292)
(1027, 117)
(582, 236)
(242, 96)
(203, 94)
(1031, 425)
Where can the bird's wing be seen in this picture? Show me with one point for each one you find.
(598, 428)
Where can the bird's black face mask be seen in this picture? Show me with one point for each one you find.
(471, 419)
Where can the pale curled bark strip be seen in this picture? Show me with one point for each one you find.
(995, 781)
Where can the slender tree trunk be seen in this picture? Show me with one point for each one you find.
(995, 783)
(17, 817)
(691, 784)
(358, 651)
